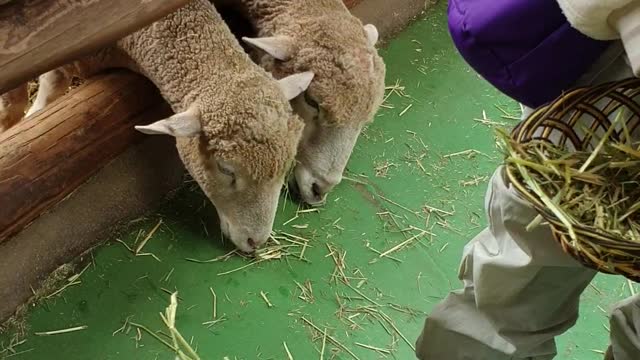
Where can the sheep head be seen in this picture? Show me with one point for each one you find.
(343, 97)
(239, 148)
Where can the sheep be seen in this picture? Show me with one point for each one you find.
(235, 129)
(323, 37)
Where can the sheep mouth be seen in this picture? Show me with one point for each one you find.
(294, 190)
(224, 227)
(297, 195)
(245, 249)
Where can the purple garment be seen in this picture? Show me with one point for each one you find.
(525, 48)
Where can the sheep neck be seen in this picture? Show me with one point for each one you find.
(189, 54)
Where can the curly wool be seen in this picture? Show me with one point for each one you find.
(193, 58)
(328, 40)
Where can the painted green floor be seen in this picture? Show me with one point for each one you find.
(399, 169)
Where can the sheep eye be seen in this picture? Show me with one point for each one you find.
(226, 170)
(310, 101)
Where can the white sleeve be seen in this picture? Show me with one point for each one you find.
(626, 21)
(591, 17)
(608, 20)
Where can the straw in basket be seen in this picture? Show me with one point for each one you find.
(577, 160)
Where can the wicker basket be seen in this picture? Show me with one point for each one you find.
(563, 122)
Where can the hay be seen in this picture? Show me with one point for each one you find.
(214, 301)
(60, 277)
(380, 351)
(328, 337)
(306, 292)
(286, 348)
(183, 349)
(11, 350)
(178, 344)
(264, 297)
(598, 189)
(591, 197)
(403, 244)
(62, 331)
(281, 246)
(141, 245)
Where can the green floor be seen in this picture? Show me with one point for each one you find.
(418, 155)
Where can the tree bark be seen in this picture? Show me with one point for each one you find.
(39, 35)
(45, 158)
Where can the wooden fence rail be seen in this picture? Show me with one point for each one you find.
(46, 157)
(39, 35)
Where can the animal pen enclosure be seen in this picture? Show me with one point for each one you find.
(77, 168)
(409, 176)
(44, 160)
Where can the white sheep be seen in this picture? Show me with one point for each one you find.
(323, 37)
(235, 130)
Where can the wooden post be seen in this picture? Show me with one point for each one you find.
(39, 35)
(45, 158)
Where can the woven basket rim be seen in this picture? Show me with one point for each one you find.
(549, 119)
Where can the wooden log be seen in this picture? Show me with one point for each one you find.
(39, 35)
(45, 158)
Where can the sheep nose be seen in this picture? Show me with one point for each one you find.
(319, 193)
(256, 243)
(321, 186)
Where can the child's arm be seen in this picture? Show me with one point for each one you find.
(608, 20)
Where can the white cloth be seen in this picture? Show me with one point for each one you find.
(520, 289)
(608, 20)
(591, 17)
(625, 329)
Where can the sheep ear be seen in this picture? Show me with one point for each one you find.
(293, 85)
(277, 46)
(184, 124)
(372, 34)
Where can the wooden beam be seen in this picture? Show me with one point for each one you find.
(45, 158)
(39, 35)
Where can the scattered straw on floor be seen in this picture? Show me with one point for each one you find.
(71, 281)
(403, 244)
(326, 337)
(61, 331)
(178, 344)
(338, 256)
(141, 245)
(264, 297)
(380, 351)
(60, 277)
(306, 292)
(281, 245)
(13, 348)
(286, 349)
